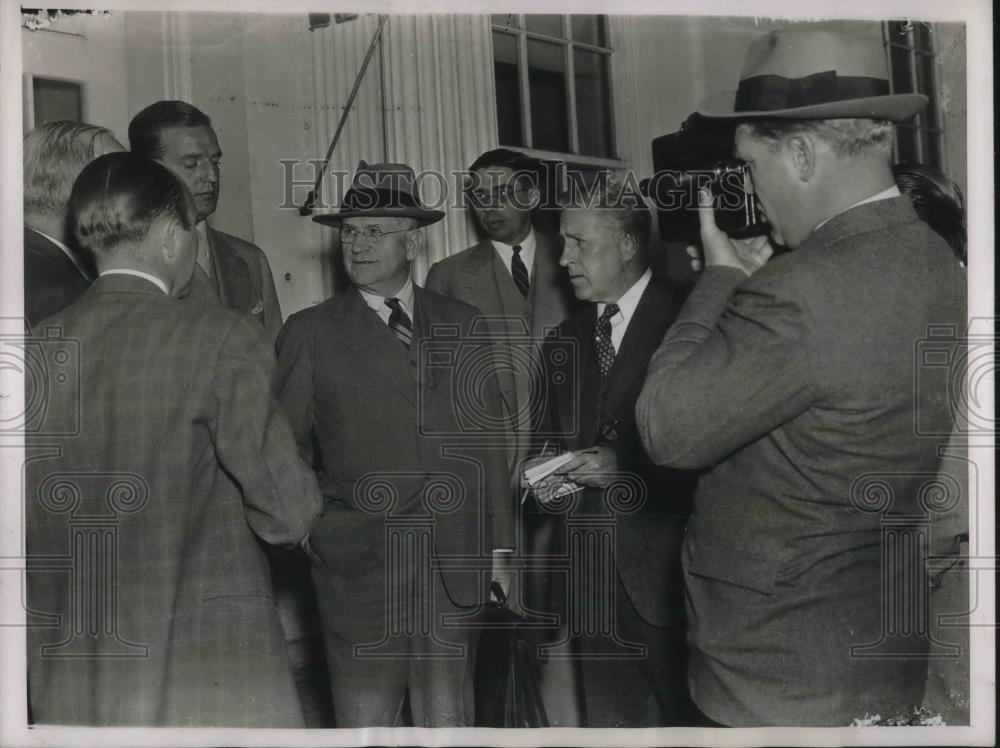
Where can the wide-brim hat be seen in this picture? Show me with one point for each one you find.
(797, 74)
(384, 190)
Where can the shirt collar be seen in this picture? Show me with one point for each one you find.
(527, 245)
(377, 302)
(885, 194)
(138, 274)
(629, 300)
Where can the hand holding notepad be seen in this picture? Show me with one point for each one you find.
(536, 475)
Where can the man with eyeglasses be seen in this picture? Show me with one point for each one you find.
(370, 380)
(512, 276)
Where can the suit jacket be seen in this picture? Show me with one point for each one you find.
(165, 447)
(242, 282)
(478, 277)
(52, 281)
(380, 421)
(588, 410)
(797, 389)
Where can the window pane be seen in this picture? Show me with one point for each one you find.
(56, 100)
(549, 24)
(547, 83)
(509, 20)
(589, 30)
(508, 89)
(906, 140)
(899, 62)
(593, 105)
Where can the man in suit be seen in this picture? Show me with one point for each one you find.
(157, 473)
(374, 381)
(605, 252)
(511, 276)
(231, 272)
(792, 384)
(55, 273)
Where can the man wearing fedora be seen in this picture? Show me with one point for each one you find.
(791, 383)
(416, 498)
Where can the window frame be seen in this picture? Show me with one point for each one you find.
(522, 35)
(921, 131)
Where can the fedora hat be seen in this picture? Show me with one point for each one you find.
(388, 190)
(797, 74)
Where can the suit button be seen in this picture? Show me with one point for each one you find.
(413, 362)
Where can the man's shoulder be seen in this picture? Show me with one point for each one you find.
(445, 306)
(463, 258)
(238, 245)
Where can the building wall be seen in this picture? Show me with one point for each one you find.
(276, 90)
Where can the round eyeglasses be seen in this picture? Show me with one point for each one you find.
(373, 234)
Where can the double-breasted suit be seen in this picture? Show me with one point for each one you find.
(161, 464)
(648, 527)
(384, 427)
(242, 280)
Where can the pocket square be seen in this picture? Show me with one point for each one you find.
(258, 307)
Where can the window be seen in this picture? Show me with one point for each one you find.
(553, 83)
(56, 100)
(912, 69)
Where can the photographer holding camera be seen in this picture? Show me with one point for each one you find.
(790, 382)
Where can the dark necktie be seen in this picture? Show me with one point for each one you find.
(399, 322)
(519, 271)
(602, 340)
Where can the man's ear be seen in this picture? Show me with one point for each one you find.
(166, 234)
(801, 150)
(628, 247)
(413, 243)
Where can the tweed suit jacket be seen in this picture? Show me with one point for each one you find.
(51, 280)
(801, 392)
(243, 281)
(647, 549)
(379, 421)
(478, 277)
(165, 441)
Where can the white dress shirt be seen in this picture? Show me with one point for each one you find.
(377, 303)
(506, 252)
(138, 274)
(626, 308)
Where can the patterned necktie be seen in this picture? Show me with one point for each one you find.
(602, 340)
(399, 322)
(519, 271)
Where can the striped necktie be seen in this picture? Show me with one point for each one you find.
(519, 271)
(399, 322)
(602, 340)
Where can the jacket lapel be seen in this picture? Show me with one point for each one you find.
(232, 275)
(374, 346)
(545, 298)
(478, 282)
(643, 335)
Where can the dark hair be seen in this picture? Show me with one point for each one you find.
(117, 198)
(938, 201)
(145, 128)
(499, 158)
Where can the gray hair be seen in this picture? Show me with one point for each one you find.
(851, 137)
(54, 154)
(619, 201)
